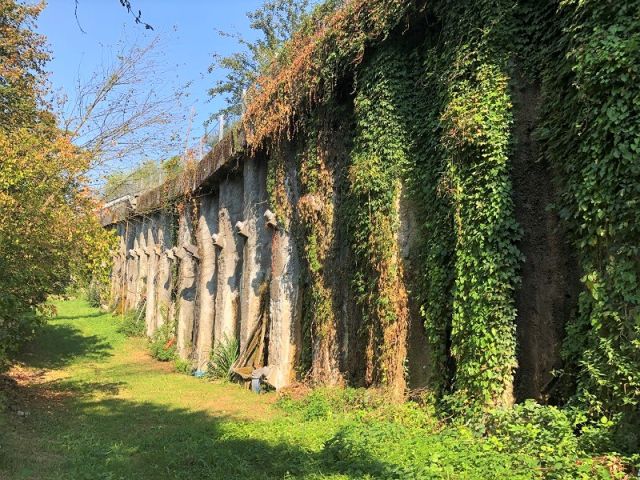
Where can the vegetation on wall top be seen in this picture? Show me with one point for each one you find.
(306, 71)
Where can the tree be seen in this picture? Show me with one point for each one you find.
(148, 174)
(125, 110)
(276, 21)
(22, 60)
(49, 232)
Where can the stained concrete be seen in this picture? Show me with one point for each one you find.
(229, 260)
(118, 272)
(132, 264)
(187, 284)
(141, 259)
(285, 309)
(164, 278)
(152, 274)
(418, 349)
(207, 279)
(548, 293)
(256, 257)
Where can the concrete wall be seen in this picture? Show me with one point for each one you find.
(215, 262)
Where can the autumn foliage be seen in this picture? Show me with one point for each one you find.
(49, 233)
(307, 70)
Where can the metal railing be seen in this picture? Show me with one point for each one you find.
(196, 150)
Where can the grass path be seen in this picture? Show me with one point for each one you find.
(84, 402)
(90, 403)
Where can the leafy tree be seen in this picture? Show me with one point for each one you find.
(49, 232)
(146, 175)
(275, 21)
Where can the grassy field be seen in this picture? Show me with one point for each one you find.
(85, 402)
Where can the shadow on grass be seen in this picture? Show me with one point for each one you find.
(78, 317)
(84, 437)
(58, 345)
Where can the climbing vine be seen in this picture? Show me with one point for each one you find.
(433, 118)
(591, 135)
(316, 209)
(308, 69)
(469, 252)
(379, 161)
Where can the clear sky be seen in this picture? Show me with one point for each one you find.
(187, 29)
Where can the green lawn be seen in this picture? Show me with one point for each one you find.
(91, 404)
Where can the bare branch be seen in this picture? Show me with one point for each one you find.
(126, 109)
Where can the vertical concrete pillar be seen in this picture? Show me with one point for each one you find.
(256, 257)
(229, 260)
(285, 310)
(143, 260)
(187, 283)
(119, 268)
(132, 267)
(207, 226)
(152, 270)
(165, 267)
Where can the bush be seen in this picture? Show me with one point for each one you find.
(182, 366)
(365, 404)
(547, 434)
(94, 296)
(223, 356)
(18, 324)
(133, 323)
(163, 342)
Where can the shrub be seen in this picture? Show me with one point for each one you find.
(365, 404)
(223, 356)
(163, 342)
(133, 323)
(547, 434)
(94, 296)
(182, 366)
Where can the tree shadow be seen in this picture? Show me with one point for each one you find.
(83, 316)
(85, 437)
(57, 345)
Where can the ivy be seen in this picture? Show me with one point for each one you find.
(379, 162)
(591, 135)
(433, 120)
(316, 210)
(469, 259)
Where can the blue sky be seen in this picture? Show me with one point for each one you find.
(187, 29)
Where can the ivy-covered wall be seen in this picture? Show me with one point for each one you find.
(512, 127)
(455, 188)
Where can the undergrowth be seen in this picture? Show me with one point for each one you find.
(163, 342)
(409, 440)
(133, 322)
(223, 356)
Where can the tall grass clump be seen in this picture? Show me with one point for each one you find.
(223, 356)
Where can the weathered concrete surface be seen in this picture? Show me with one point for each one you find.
(257, 254)
(152, 273)
(141, 258)
(132, 263)
(418, 349)
(229, 266)
(164, 278)
(207, 226)
(285, 310)
(118, 276)
(187, 284)
(550, 276)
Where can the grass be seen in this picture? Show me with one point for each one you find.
(86, 402)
